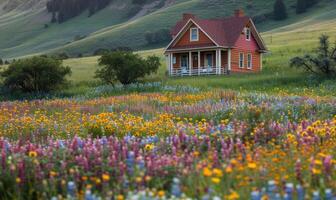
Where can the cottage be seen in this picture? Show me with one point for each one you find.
(214, 46)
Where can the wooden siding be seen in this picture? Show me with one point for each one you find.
(256, 60)
(184, 41)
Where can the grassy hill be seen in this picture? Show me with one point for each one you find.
(113, 27)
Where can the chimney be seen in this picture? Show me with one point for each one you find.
(239, 13)
(187, 16)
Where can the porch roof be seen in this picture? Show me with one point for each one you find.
(192, 47)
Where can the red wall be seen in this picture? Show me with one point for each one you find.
(256, 61)
(244, 46)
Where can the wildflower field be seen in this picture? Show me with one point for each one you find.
(172, 144)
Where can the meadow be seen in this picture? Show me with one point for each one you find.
(170, 143)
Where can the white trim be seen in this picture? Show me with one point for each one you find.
(258, 34)
(171, 66)
(191, 34)
(190, 63)
(251, 61)
(241, 67)
(183, 29)
(229, 59)
(196, 48)
(199, 62)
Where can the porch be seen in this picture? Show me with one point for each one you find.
(199, 62)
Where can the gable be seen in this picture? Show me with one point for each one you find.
(242, 43)
(183, 40)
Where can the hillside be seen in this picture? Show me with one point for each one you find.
(25, 27)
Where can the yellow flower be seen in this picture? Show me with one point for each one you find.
(228, 170)
(32, 154)
(149, 147)
(233, 196)
(18, 180)
(316, 171)
(318, 162)
(217, 172)
(215, 180)
(52, 173)
(207, 172)
(120, 197)
(252, 165)
(105, 177)
(161, 193)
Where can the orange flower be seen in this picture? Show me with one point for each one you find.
(106, 177)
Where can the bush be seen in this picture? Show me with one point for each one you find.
(323, 62)
(125, 67)
(37, 74)
(1, 62)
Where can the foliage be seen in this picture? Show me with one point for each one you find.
(323, 62)
(125, 67)
(37, 74)
(280, 10)
(1, 62)
(158, 37)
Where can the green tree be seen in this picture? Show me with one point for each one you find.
(36, 74)
(322, 62)
(300, 6)
(279, 10)
(125, 67)
(1, 62)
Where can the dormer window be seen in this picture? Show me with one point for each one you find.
(248, 34)
(194, 34)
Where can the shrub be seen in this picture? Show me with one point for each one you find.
(36, 74)
(1, 62)
(323, 62)
(125, 67)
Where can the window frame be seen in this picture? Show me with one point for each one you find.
(174, 60)
(249, 61)
(241, 60)
(248, 36)
(191, 34)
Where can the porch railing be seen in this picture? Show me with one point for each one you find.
(200, 72)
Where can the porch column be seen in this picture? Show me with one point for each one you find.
(199, 62)
(190, 62)
(229, 59)
(220, 61)
(217, 61)
(171, 65)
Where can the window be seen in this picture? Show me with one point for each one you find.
(194, 34)
(248, 34)
(249, 61)
(174, 60)
(241, 60)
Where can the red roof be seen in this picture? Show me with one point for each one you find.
(224, 32)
